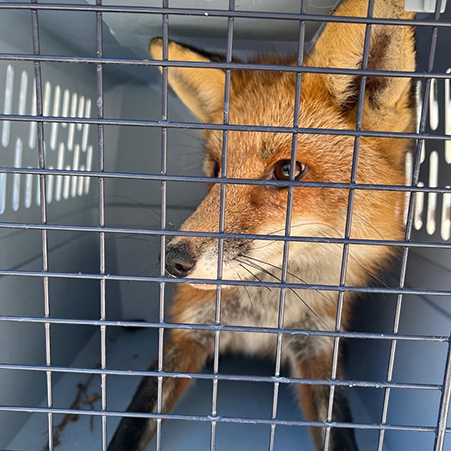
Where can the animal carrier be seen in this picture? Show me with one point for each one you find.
(100, 163)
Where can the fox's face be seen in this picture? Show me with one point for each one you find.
(327, 102)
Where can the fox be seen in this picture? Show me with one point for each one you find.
(267, 98)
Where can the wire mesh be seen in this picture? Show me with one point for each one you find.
(43, 208)
(408, 233)
(101, 189)
(163, 233)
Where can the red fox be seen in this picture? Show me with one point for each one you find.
(267, 98)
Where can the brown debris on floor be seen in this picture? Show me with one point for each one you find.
(91, 400)
(82, 397)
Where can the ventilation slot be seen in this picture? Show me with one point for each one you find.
(46, 102)
(16, 179)
(59, 178)
(419, 206)
(33, 125)
(80, 182)
(49, 186)
(433, 105)
(28, 190)
(448, 117)
(419, 95)
(73, 113)
(2, 192)
(7, 107)
(432, 197)
(409, 172)
(85, 136)
(66, 102)
(81, 111)
(66, 189)
(56, 113)
(23, 93)
(446, 216)
(38, 191)
(88, 168)
(75, 165)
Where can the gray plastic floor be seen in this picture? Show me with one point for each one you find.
(134, 350)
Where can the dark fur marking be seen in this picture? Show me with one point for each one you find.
(130, 432)
(304, 347)
(378, 52)
(343, 439)
(235, 248)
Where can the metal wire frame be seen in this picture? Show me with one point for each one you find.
(157, 232)
(163, 170)
(221, 419)
(288, 221)
(221, 65)
(348, 225)
(230, 127)
(99, 61)
(225, 181)
(445, 400)
(225, 377)
(219, 13)
(213, 327)
(43, 214)
(237, 283)
(222, 200)
(101, 207)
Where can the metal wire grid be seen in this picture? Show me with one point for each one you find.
(164, 124)
(443, 414)
(101, 188)
(286, 244)
(43, 208)
(225, 136)
(164, 146)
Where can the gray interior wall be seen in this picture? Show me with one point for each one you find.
(72, 252)
(133, 31)
(136, 203)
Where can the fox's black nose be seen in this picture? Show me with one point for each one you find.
(179, 260)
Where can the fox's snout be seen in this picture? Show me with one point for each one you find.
(180, 259)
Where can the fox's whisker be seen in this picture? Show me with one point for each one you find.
(247, 291)
(368, 224)
(295, 226)
(306, 224)
(309, 307)
(291, 274)
(260, 268)
(354, 258)
(326, 246)
(292, 290)
(253, 275)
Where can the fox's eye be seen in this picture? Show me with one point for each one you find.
(282, 170)
(216, 170)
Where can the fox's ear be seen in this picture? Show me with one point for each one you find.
(201, 90)
(391, 48)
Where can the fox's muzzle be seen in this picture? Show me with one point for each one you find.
(180, 260)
